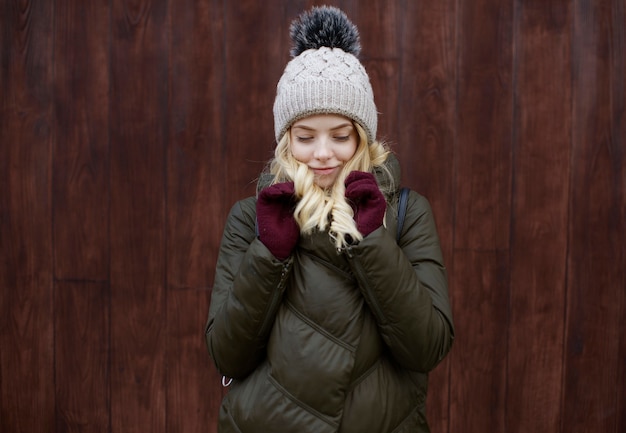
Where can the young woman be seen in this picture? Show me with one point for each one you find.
(320, 319)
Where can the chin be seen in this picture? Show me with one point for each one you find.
(325, 183)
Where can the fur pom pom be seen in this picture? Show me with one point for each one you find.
(324, 26)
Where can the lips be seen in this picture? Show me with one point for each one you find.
(324, 171)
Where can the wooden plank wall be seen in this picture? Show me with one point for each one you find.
(128, 129)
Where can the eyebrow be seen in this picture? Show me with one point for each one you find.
(308, 128)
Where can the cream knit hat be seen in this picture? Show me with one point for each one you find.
(324, 75)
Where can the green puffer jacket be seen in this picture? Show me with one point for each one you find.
(327, 341)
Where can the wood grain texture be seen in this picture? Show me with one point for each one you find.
(26, 135)
(81, 216)
(425, 132)
(384, 75)
(617, 38)
(478, 374)
(196, 156)
(484, 125)
(595, 311)
(426, 107)
(194, 388)
(257, 50)
(81, 153)
(541, 171)
(82, 346)
(381, 55)
(482, 198)
(139, 131)
(196, 209)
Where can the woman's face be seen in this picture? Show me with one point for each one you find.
(324, 142)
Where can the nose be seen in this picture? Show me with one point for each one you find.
(323, 150)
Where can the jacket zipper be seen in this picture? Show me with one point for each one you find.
(275, 298)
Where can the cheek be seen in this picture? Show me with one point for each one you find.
(347, 152)
(297, 152)
(303, 153)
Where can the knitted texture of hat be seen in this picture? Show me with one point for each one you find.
(326, 78)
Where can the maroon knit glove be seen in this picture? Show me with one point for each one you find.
(278, 230)
(367, 201)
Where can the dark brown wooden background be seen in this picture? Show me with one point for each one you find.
(129, 127)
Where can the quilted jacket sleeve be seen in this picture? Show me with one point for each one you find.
(249, 284)
(405, 286)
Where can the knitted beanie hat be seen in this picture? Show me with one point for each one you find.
(324, 76)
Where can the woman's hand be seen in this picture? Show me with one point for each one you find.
(367, 201)
(278, 230)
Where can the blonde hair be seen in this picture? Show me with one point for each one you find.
(319, 208)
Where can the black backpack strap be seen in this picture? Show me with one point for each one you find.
(402, 205)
